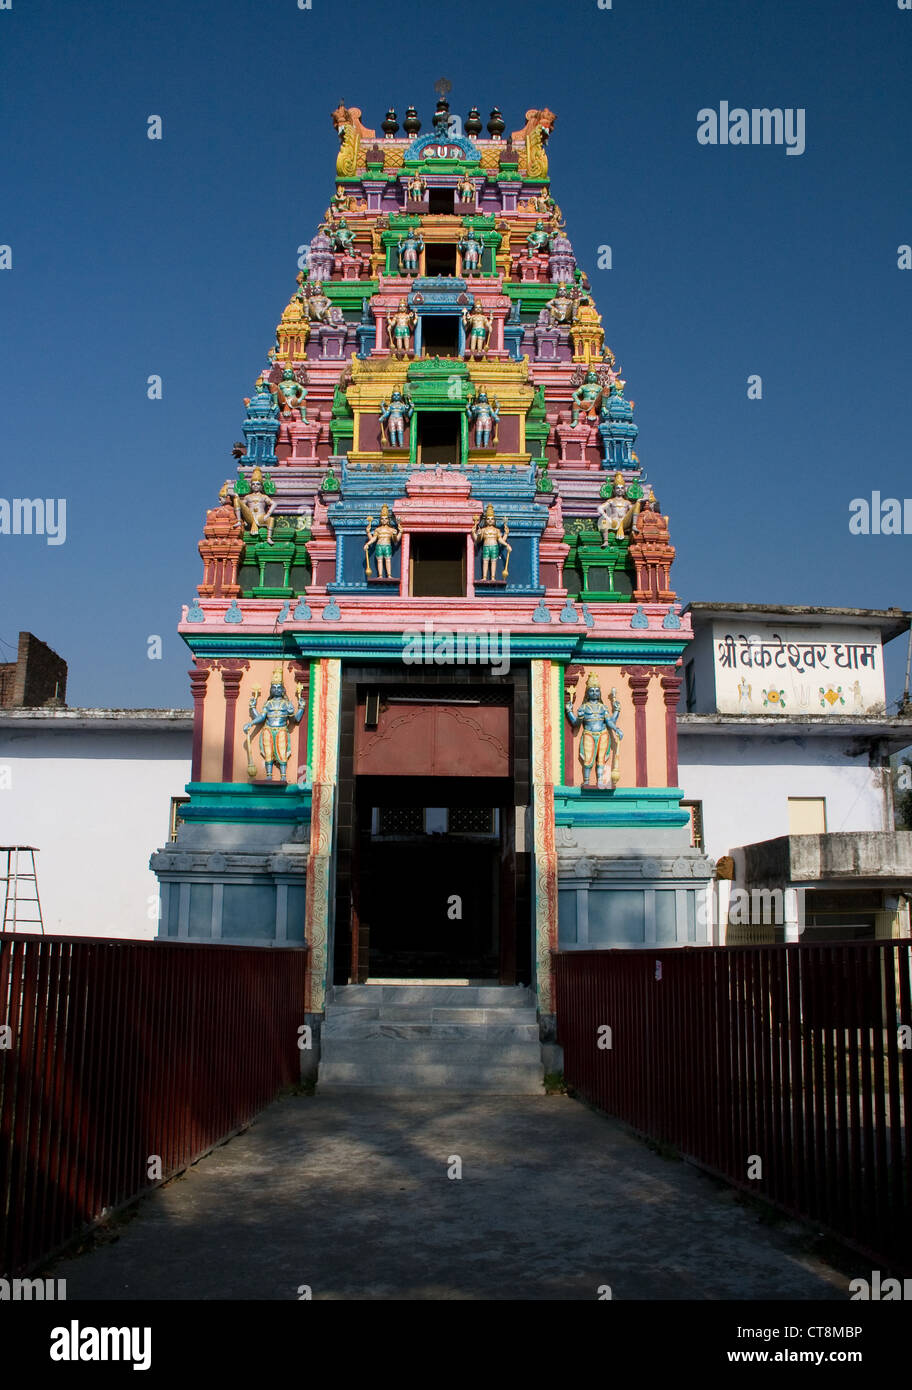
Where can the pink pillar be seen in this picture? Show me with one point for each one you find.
(232, 671)
(198, 679)
(671, 685)
(404, 566)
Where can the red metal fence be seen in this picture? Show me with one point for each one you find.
(118, 1051)
(795, 1055)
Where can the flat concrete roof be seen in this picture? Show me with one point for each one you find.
(891, 621)
(896, 730)
(100, 720)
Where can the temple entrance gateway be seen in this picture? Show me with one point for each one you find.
(429, 883)
(428, 890)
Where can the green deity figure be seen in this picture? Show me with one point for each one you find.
(274, 721)
(291, 395)
(586, 398)
(343, 238)
(538, 241)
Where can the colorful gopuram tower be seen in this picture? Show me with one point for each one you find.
(436, 652)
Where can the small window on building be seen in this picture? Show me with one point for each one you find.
(400, 820)
(439, 436)
(437, 565)
(690, 693)
(440, 335)
(440, 256)
(176, 820)
(440, 200)
(807, 815)
(469, 820)
(695, 811)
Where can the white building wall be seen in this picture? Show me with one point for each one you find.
(95, 804)
(744, 783)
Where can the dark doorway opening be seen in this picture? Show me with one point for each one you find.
(440, 257)
(438, 566)
(449, 750)
(439, 436)
(440, 200)
(440, 335)
(430, 880)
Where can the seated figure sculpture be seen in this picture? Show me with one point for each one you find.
(291, 395)
(255, 509)
(616, 512)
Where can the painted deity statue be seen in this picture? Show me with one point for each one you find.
(478, 328)
(254, 509)
(492, 538)
(615, 512)
(538, 240)
(484, 415)
(465, 189)
(343, 238)
(586, 398)
(318, 304)
(291, 395)
(472, 249)
(275, 722)
(409, 248)
(401, 326)
(384, 536)
(417, 188)
(395, 416)
(601, 737)
(563, 308)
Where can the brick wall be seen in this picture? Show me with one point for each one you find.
(35, 676)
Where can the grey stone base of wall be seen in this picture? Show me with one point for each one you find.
(651, 889)
(243, 884)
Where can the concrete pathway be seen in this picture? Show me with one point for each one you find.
(349, 1194)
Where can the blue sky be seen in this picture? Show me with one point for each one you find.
(133, 257)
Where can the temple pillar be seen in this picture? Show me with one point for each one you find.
(545, 885)
(671, 686)
(639, 678)
(198, 678)
(232, 670)
(325, 722)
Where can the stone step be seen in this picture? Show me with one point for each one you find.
(353, 1023)
(371, 1053)
(519, 1079)
(417, 1015)
(456, 996)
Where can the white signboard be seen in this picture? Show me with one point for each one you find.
(797, 670)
